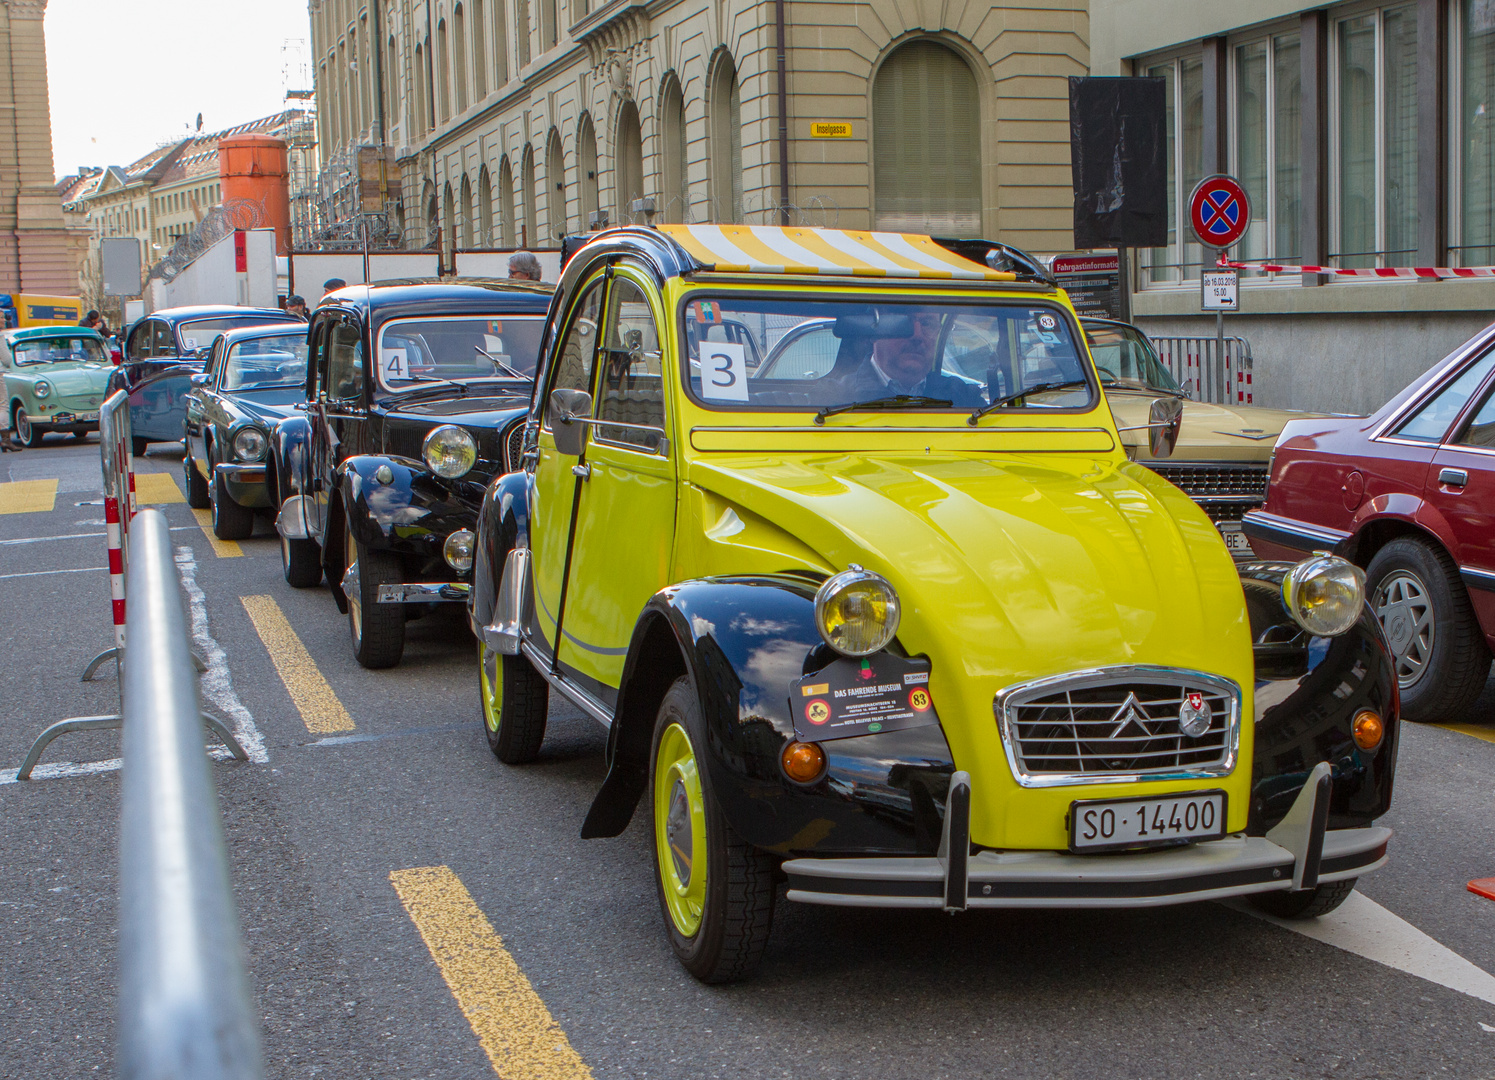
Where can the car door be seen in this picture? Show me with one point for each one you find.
(625, 525)
(555, 489)
(1461, 487)
(320, 457)
(343, 403)
(200, 401)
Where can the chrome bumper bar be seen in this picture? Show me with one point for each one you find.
(247, 472)
(1299, 853)
(423, 592)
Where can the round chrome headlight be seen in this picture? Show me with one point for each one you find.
(449, 451)
(249, 444)
(856, 611)
(458, 550)
(42, 388)
(1324, 594)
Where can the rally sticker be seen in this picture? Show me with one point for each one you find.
(862, 697)
(394, 364)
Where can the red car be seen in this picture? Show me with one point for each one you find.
(1408, 494)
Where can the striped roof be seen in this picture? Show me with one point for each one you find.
(774, 249)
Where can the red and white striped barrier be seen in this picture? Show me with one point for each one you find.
(1436, 272)
(119, 499)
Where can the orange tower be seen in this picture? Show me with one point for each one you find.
(253, 168)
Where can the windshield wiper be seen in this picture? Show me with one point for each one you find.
(897, 401)
(1010, 398)
(433, 379)
(496, 362)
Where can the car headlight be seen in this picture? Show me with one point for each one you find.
(1324, 594)
(42, 388)
(449, 451)
(857, 611)
(458, 550)
(249, 444)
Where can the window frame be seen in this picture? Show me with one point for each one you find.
(661, 441)
(1267, 216)
(1143, 66)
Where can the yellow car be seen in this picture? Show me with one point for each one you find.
(911, 631)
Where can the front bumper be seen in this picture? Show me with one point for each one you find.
(425, 592)
(245, 482)
(1300, 853)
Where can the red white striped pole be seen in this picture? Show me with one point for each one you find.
(115, 530)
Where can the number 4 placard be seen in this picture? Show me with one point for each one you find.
(723, 371)
(394, 364)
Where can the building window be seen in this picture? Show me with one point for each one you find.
(448, 220)
(521, 29)
(1183, 97)
(1471, 140)
(466, 213)
(500, 43)
(923, 180)
(629, 174)
(531, 227)
(418, 94)
(506, 219)
(555, 187)
(549, 21)
(1373, 156)
(459, 56)
(674, 202)
(726, 142)
(479, 51)
(443, 73)
(485, 207)
(586, 172)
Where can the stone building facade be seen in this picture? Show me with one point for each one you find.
(506, 123)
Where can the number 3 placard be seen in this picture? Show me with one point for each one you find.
(723, 371)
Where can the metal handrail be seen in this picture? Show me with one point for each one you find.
(184, 999)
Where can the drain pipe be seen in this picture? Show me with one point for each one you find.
(778, 6)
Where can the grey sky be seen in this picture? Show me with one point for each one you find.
(125, 75)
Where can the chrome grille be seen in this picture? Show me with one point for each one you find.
(1117, 724)
(513, 446)
(1216, 480)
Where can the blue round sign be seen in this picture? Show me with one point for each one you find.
(1219, 211)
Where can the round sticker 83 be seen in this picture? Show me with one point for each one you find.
(918, 699)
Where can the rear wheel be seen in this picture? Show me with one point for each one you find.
(26, 431)
(378, 630)
(715, 890)
(138, 446)
(516, 700)
(1307, 904)
(230, 520)
(198, 496)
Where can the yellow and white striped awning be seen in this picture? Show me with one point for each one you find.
(774, 249)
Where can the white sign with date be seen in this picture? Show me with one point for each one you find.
(1221, 290)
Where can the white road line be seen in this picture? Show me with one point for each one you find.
(67, 770)
(217, 683)
(1363, 927)
(79, 536)
(44, 573)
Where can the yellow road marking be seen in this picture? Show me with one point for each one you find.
(224, 549)
(27, 496)
(319, 707)
(512, 1024)
(1476, 730)
(156, 487)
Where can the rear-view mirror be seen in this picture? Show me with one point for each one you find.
(568, 406)
(1163, 422)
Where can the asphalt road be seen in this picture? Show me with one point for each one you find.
(357, 976)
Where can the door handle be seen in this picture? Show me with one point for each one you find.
(1453, 477)
(583, 472)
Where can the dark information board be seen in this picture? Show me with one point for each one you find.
(1093, 283)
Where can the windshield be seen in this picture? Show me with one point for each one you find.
(53, 350)
(828, 353)
(413, 351)
(199, 333)
(1124, 358)
(262, 363)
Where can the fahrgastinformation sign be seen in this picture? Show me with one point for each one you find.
(1093, 283)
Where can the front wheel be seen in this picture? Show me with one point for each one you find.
(715, 890)
(516, 701)
(198, 496)
(138, 446)
(378, 630)
(26, 431)
(1307, 904)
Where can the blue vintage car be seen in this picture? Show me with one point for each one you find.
(162, 353)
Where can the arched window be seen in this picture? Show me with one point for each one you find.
(433, 218)
(674, 201)
(466, 212)
(459, 56)
(555, 187)
(390, 87)
(500, 43)
(448, 220)
(586, 172)
(508, 231)
(418, 95)
(726, 142)
(443, 73)
(629, 174)
(479, 51)
(484, 208)
(924, 180)
(531, 227)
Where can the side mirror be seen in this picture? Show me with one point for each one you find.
(200, 380)
(566, 407)
(1163, 421)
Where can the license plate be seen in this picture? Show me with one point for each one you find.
(1236, 542)
(89, 417)
(1113, 824)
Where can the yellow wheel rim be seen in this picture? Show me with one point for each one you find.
(492, 686)
(680, 830)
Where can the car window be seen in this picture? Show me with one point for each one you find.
(1124, 357)
(53, 350)
(1481, 429)
(265, 363)
(199, 333)
(163, 344)
(413, 351)
(573, 366)
(215, 362)
(1430, 423)
(344, 361)
(141, 340)
(631, 384)
(965, 353)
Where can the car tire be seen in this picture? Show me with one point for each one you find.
(718, 927)
(1306, 904)
(29, 433)
(301, 563)
(230, 520)
(138, 447)
(198, 496)
(378, 630)
(1438, 649)
(515, 704)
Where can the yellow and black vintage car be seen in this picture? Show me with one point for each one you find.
(907, 629)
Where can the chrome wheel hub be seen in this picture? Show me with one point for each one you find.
(677, 832)
(1405, 612)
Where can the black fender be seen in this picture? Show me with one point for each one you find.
(503, 524)
(743, 640)
(290, 449)
(1308, 690)
(411, 514)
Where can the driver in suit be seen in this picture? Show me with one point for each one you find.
(906, 365)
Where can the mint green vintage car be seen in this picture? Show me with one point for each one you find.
(55, 378)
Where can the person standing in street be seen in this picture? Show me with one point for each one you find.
(296, 306)
(332, 285)
(523, 266)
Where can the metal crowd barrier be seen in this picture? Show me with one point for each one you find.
(1196, 366)
(185, 1007)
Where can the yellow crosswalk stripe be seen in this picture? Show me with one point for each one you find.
(152, 488)
(521, 1038)
(224, 549)
(1475, 730)
(319, 707)
(27, 496)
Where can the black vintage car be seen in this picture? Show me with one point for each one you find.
(254, 378)
(416, 397)
(162, 353)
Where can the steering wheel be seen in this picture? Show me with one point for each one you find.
(1107, 375)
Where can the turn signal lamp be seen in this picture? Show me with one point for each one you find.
(1368, 729)
(857, 611)
(803, 762)
(1324, 594)
(449, 451)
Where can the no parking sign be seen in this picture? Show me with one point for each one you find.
(1219, 211)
